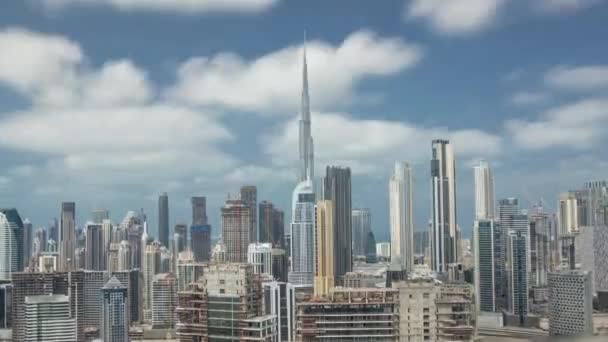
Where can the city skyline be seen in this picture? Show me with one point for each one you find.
(190, 144)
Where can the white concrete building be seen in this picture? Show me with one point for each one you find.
(401, 215)
(260, 256)
(48, 319)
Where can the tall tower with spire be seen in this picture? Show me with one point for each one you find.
(306, 167)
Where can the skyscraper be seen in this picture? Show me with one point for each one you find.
(337, 188)
(99, 215)
(180, 238)
(249, 196)
(236, 227)
(163, 219)
(115, 320)
(401, 215)
(568, 213)
(164, 300)
(11, 242)
(362, 225)
(266, 221)
(278, 228)
(489, 269)
(95, 250)
(67, 236)
(28, 240)
(199, 210)
(570, 303)
(151, 263)
(324, 256)
(306, 165)
(444, 233)
(517, 271)
(260, 256)
(302, 234)
(200, 240)
(484, 191)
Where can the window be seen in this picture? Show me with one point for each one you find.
(426, 296)
(222, 281)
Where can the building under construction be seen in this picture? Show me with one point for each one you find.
(224, 305)
(456, 313)
(350, 314)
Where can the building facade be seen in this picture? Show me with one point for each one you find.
(163, 219)
(484, 192)
(48, 318)
(302, 235)
(402, 215)
(200, 240)
(236, 229)
(362, 226)
(444, 232)
(325, 275)
(489, 271)
(11, 243)
(164, 301)
(199, 210)
(337, 188)
(570, 303)
(249, 196)
(259, 255)
(115, 318)
(67, 236)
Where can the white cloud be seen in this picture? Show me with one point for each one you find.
(371, 146)
(564, 6)
(272, 83)
(586, 77)
(455, 17)
(52, 71)
(579, 125)
(38, 65)
(525, 98)
(175, 6)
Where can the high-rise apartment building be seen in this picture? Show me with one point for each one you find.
(180, 239)
(27, 284)
(11, 243)
(6, 302)
(402, 215)
(540, 253)
(163, 219)
(260, 256)
(164, 301)
(199, 210)
(570, 303)
(593, 242)
(383, 250)
(362, 226)
(568, 213)
(517, 272)
(337, 188)
(444, 232)
(48, 318)
(200, 241)
(236, 228)
(115, 318)
(325, 275)
(489, 271)
(271, 224)
(28, 240)
(152, 265)
(95, 250)
(280, 264)
(249, 196)
(67, 236)
(484, 191)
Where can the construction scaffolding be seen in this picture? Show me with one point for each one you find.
(353, 314)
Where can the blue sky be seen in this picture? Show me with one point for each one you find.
(110, 102)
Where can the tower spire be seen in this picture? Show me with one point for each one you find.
(306, 171)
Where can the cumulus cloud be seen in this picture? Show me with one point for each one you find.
(565, 6)
(53, 71)
(455, 17)
(175, 6)
(371, 146)
(585, 77)
(578, 125)
(272, 83)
